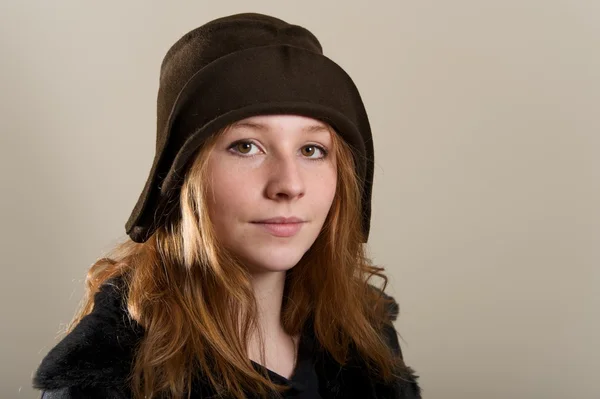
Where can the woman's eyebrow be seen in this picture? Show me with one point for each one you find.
(263, 127)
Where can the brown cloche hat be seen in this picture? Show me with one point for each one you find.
(232, 68)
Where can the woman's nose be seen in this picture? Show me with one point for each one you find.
(285, 179)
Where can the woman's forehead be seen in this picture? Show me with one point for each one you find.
(285, 121)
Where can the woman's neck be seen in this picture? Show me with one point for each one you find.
(268, 290)
(280, 348)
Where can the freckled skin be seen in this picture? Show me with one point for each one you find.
(278, 170)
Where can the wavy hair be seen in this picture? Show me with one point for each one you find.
(195, 301)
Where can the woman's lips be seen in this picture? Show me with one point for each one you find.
(281, 229)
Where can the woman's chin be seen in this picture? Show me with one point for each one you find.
(274, 262)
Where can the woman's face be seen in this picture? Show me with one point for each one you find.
(265, 167)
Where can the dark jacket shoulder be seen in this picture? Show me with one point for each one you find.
(87, 393)
(94, 359)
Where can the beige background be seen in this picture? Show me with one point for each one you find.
(487, 135)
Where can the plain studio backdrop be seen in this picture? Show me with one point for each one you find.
(487, 190)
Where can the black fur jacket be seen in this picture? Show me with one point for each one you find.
(94, 359)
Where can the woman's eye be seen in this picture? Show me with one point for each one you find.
(309, 150)
(245, 148)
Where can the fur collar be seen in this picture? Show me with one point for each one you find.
(98, 353)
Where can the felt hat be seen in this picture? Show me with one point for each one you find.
(232, 68)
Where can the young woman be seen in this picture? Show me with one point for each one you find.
(244, 274)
